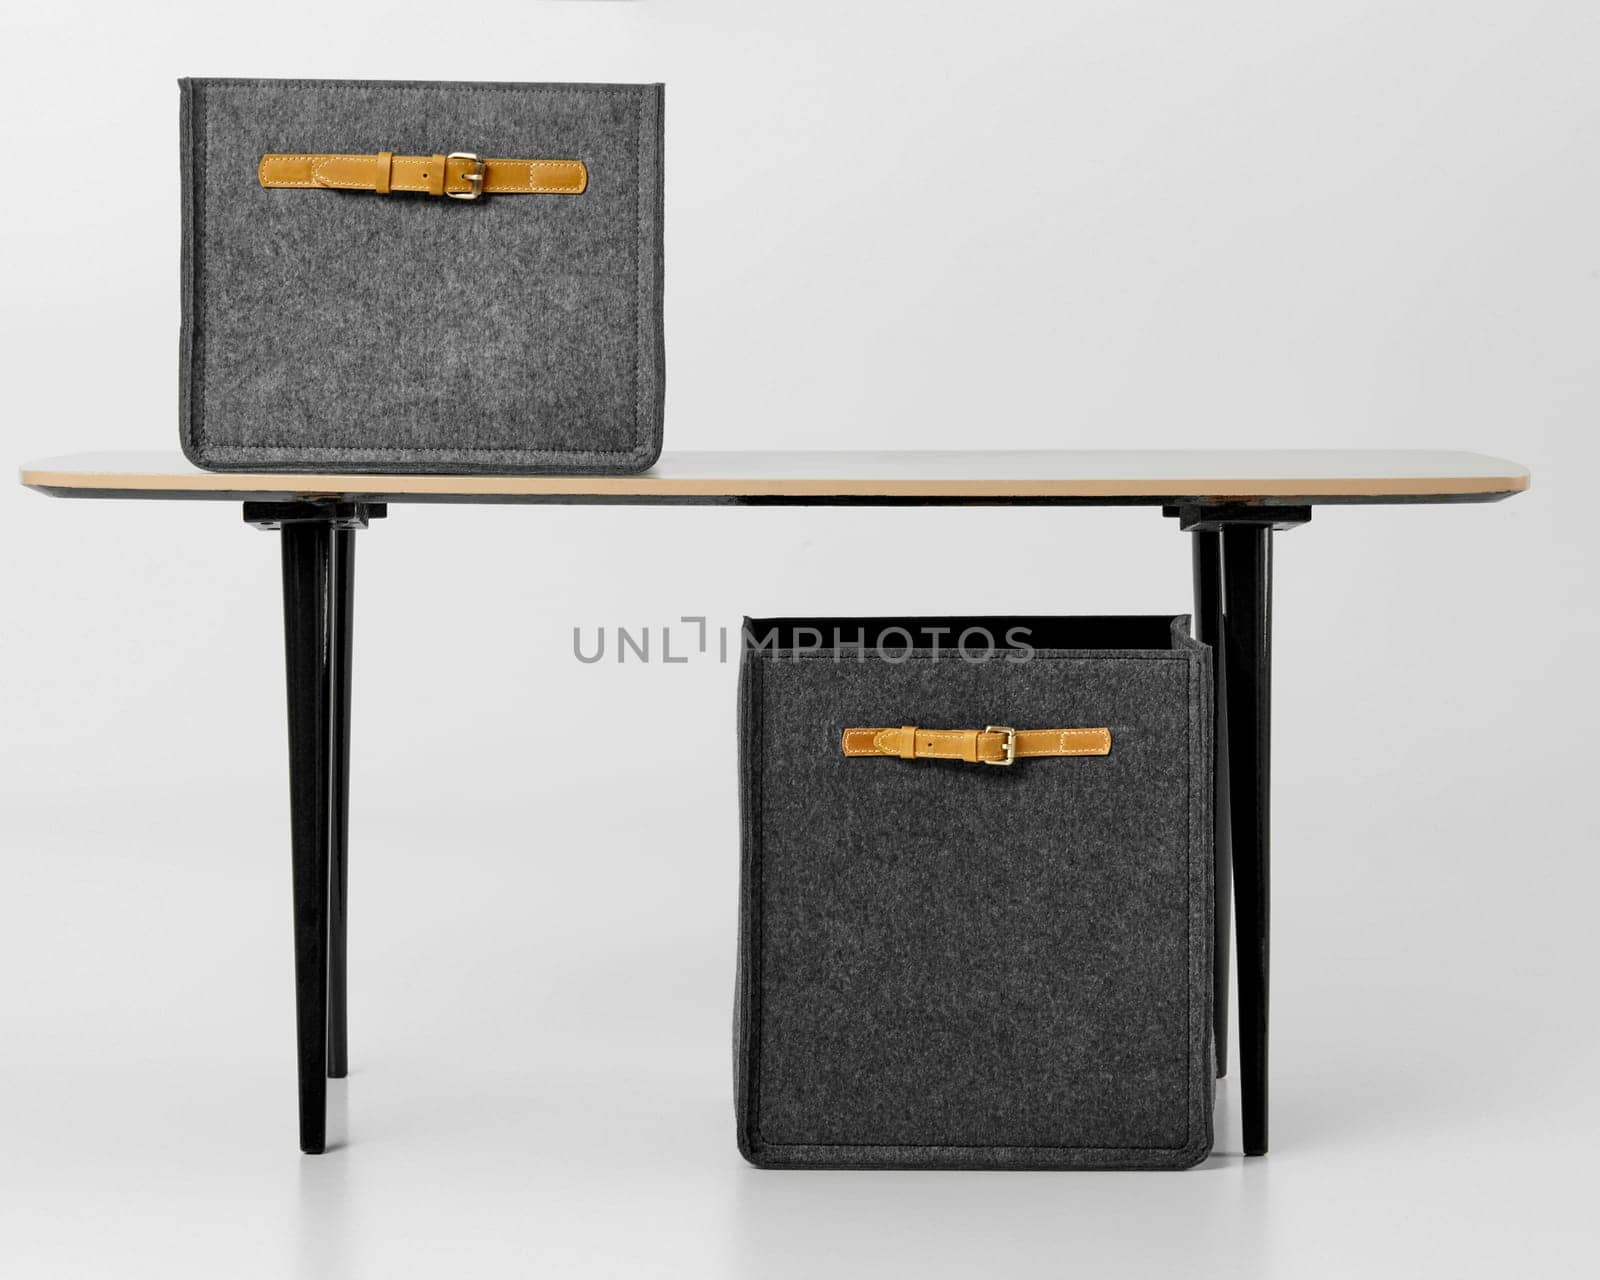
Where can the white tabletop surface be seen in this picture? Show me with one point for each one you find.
(1304, 475)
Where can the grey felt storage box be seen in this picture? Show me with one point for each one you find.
(944, 964)
(341, 313)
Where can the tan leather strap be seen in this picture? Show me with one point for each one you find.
(458, 175)
(997, 744)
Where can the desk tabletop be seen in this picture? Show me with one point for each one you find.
(1088, 477)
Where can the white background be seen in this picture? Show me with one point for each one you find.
(1117, 224)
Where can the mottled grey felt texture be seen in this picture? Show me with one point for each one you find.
(945, 965)
(350, 331)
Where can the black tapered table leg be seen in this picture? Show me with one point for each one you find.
(1247, 627)
(307, 615)
(1208, 630)
(318, 543)
(342, 601)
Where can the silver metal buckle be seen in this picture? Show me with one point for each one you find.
(474, 177)
(1011, 745)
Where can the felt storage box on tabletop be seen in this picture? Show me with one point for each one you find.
(421, 276)
(976, 893)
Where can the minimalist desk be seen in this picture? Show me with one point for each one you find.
(1230, 501)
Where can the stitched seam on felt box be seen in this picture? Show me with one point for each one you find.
(754, 1066)
(643, 444)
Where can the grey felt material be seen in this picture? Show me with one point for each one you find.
(950, 965)
(350, 331)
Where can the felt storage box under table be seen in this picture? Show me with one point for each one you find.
(948, 964)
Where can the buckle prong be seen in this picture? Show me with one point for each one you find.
(1010, 745)
(474, 177)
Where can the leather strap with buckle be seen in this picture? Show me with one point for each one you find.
(996, 744)
(461, 175)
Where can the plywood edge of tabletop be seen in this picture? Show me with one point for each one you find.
(1212, 488)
